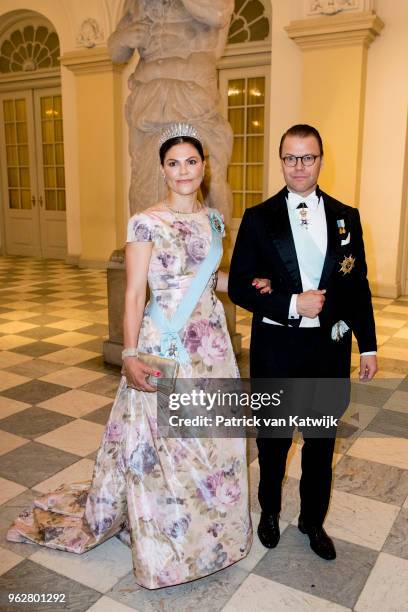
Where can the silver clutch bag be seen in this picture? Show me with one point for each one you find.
(169, 370)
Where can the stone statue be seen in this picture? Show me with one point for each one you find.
(175, 80)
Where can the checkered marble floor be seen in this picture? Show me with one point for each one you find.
(55, 397)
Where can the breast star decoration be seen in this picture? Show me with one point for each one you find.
(347, 264)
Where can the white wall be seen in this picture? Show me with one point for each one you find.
(286, 73)
(384, 146)
(71, 164)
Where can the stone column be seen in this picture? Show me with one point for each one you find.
(333, 91)
(100, 126)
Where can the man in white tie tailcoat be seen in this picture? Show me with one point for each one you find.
(311, 248)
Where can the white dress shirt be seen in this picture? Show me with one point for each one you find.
(317, 230)
(316, 226)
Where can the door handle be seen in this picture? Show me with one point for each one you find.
(40, 201)
(33, 201)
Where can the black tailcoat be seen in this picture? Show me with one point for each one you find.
(265, 249)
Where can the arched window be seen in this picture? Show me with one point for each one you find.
(249, 22)
(28, 49)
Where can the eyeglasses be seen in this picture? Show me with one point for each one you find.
(307, 160)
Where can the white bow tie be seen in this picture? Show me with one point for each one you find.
(294, 200)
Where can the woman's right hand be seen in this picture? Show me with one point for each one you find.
(136, 373)
(262, 284)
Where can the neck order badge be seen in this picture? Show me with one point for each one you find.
(304, 222)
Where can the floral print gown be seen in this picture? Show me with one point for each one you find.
(180, 504)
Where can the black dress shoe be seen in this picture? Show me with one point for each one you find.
(320, 542)
(268, 530)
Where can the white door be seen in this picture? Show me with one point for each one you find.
(33, 182)
(19, 175)
(51, 172)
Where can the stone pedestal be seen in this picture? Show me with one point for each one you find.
(112, 348)
(116, 274)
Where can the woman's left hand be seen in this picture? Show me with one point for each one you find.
(262, 284)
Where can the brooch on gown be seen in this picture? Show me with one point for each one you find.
(217, 223)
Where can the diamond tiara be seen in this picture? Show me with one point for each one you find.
(176, 131)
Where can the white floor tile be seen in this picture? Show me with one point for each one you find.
(393, 352)
(70, 356)
(65, 303)
(382, 339)
(9, 489)
(100, 568)
(359, 415)
(398, 402)
(80, 471)
(72, 377)
(75, 403)
(360, 520)
(18, 315)
(8, 380)
(383, 378)
(9, 406)
(78, 437)
(381, 301)
(19, 304)
(65, 294)
(394, 308)
(69, 313)
(381, 448)
(69, 324)
(70, 338)
(263, 595)
(15, 327)
(387, 586)
(12, 341)
(105, 604)
(96, 316)
(9, 442)
(8, 359)
(389, 322)
(8, 559)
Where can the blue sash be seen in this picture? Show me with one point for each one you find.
(170, 341)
